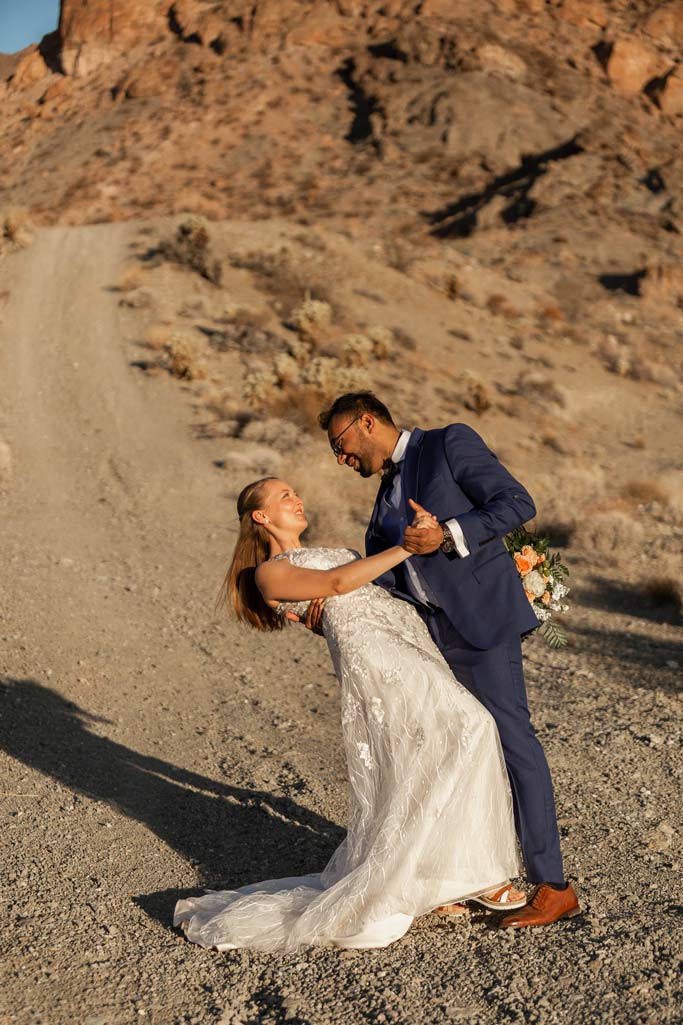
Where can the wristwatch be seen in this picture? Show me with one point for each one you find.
(448, 544)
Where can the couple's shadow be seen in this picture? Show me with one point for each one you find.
(232, 835)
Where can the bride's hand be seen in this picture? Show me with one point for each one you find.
(424, 535)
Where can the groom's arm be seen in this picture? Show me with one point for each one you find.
(500, 502)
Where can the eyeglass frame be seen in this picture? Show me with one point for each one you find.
(334, 442)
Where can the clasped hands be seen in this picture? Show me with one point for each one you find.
(424, 535)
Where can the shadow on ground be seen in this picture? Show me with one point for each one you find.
(249, 834)
(662, 660)
(629, 600)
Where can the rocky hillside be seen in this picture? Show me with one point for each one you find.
(489, 207)
(528, 132)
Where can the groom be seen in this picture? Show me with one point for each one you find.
(466, 588)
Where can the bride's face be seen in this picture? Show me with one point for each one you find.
(283, 509)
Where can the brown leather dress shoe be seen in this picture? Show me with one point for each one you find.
(545, 905)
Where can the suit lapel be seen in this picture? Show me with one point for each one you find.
(411, 471)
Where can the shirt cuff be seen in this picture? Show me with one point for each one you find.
(458, 538)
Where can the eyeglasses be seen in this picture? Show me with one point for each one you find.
(334, 442)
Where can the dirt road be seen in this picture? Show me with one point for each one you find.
(147, 749)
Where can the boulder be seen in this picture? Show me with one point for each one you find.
(504, 62)
(632, 64)
(665, 25)
(30, 69)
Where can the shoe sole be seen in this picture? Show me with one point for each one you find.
(493, 905)
(531, 925)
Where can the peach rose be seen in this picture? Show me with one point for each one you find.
(530, 553)
(523, 565)
(545, 597)
(531, 597)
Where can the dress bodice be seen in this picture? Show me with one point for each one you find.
(320, 558)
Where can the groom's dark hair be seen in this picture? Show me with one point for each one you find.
(357, 403)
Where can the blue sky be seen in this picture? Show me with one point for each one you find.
(26, 21)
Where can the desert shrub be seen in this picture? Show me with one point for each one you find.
(403, 339)
(356, 350)
(477, 398)
(382, 339)
(500, 306)
(643, 492)
(191, 247)
(611, 534)
(289, 279)
(276, 432)
(157, 335)
(15, 228)
(130, 279)
(182, 358)
(540, 388)
(311, 318)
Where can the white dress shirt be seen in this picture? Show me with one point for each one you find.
(397, 457)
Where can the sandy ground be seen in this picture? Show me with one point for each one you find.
(148, 749)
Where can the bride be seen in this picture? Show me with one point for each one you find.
(430, 812)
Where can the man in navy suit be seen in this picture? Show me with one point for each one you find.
(468, 591)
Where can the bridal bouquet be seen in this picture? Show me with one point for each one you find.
(543, 577)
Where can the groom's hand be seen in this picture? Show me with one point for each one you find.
(425, 534)
(314, 616)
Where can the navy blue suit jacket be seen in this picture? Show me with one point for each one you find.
(453, 474)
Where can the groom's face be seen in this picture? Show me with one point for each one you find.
(354, 444)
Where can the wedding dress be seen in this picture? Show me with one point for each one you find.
(430, 812)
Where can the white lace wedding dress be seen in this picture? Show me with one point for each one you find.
(430, 812)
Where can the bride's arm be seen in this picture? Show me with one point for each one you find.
(279, 580)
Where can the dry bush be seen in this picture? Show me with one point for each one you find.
(477, 397)
(157, 335)
(403, 339)
(289, 279)
(382, 339)
(662, 591)
(540, 388)
(182, 358)
(246, 317)
(312, 319)
(643, 492)
(356, 351)
(130, 279)
(623, 360)
(191, 247)
(15, 228)
(610, 534)
(552, 314)
(555, 444)
(501, 306)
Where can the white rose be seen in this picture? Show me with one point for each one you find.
(534, 583)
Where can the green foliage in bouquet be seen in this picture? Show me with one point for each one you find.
(543, 576)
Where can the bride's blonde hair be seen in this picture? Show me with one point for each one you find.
(239, 590)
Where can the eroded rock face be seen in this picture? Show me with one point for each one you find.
(29, 70)
(93, 31)
(100, 21)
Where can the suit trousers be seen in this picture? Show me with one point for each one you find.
(496, 678)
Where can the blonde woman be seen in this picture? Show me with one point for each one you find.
(430, 812)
